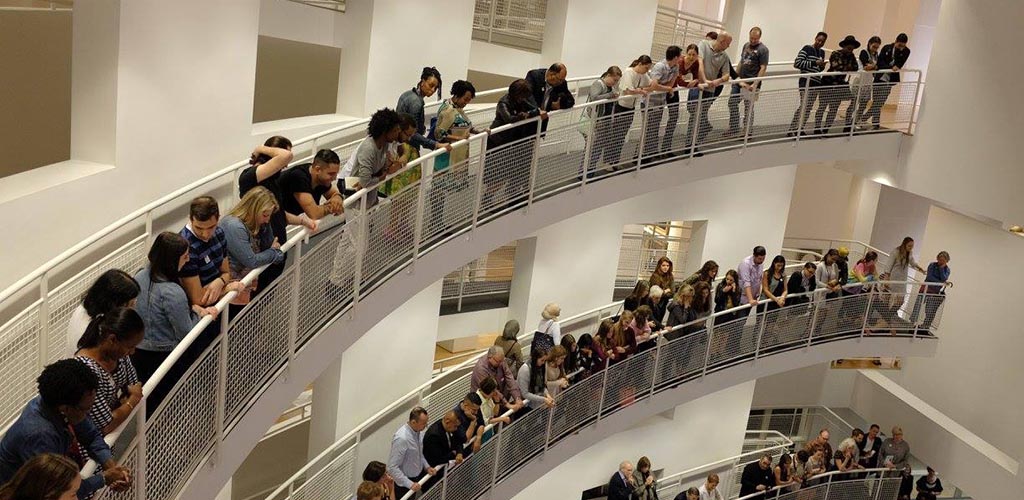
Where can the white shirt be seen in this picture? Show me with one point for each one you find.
(631, 80)
(550, 327)
(705, 495)
(76, 327)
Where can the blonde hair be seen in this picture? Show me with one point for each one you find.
(682, 292)
(256, 201)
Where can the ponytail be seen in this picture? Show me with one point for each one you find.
(612, 71)
(431, 71)
(644, 59)
(123, 323)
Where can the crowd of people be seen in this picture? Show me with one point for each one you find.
(854, 461)
(505, 383)
(130, 321)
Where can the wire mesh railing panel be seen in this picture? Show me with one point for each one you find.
(732, 340)
(629, 381)
(471, 477)
(258, 343)
(770, 112)
(787, 327)
(560, 157)
(682, 357)
(336, 480)
(389, 234)
(325, 282)
(449, 201)
(19, 361)
(506, 177)
(448, 397)
(129, 461)
(183, 429)
(520, 441)
(576, 407)
(64, 299)
(887, 312)
(840, 316)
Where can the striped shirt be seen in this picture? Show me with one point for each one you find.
(807, 62)
(204, 257)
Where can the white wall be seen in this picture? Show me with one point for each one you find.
(811, 386)
(820, 202)
(976, 374)
(787, 25)
(591, 35)
(454, 326)
(962, 154)
(390, 360)
(500, 60)
(900, 214)
(699, 432)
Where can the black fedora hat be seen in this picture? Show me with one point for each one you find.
(849, 40)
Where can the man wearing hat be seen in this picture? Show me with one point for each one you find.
(837, 90)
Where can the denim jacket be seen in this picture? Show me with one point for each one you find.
(166, 312)
(412, 102)
(39, 431)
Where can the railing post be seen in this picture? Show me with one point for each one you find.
(604, 388)
(222, 383)
(760, 330)
(547, 432)
(312, 147)
(589, 149)
(479, 188)
(913, 105)
(814, 320)
(140, 450)
(803, 111)
(856, 103)
(657, 358)
(828, 487)
(707, 352)
(43, 318)
(462, 286)
(293, 314)
(645, 110)
(420, 215)
(490, 21)
(533, 165)
(696, 124)
(497, 453)
(361, 246)
(867, 312)
(748, 114)
(149, 224)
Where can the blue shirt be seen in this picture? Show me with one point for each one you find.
(204, 257)
(39, 431)
(165, 311)
(406, 459)
(936, 274)
(411, 102)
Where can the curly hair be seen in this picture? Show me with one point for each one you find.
(65, 382)
(382, 121)
(460, 87)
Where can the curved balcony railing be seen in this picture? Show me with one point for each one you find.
(729, 470)
(706, 346)
(378, 241)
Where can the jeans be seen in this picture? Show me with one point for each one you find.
(611, 148)
(652, 127)
(931, 308)
(672, 105)
(734, 109)
(809, 93)
(699, 117)
(833, 96)
(879, 94)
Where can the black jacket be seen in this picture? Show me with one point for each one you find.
(439, 449)
(871, 463)
(890, 56)
(754, 475)
(559, 93)
(508, 112)
(796, 286)
(619, 489)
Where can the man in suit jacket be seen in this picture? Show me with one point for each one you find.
(870, 448)
(442, 444)
(802, 281)
(620, 486)
(549, 90)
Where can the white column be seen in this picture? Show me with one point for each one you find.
(899, 214)
(590, 36)
(94, 80)
(782, 32)
(573, 263)
(705, 430)
(386, 363)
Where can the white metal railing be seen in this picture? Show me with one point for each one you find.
(707, 345)
(729, 469)
(376, 242)
(639, 252)
(883, 484)
(518, 23)
(490, 275)
(675, 27)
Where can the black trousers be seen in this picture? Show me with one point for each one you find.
(400, 491)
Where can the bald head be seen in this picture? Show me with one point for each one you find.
(723, 41)
(556, 74)
(450, 421)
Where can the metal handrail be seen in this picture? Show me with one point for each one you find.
(819, 478)
(357, 227)
(707, 323)
(786, 443)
